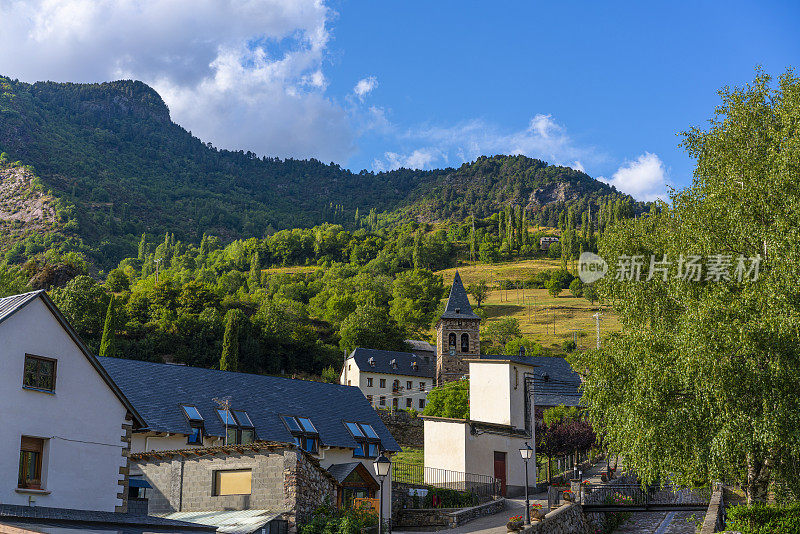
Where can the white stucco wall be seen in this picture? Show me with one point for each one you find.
(81, 422)
(480, 451)
(490, 393)
(445, 444)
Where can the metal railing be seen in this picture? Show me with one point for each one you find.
(485, 487)
(651, 497)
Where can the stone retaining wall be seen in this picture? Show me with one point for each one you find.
(566, 519)
(715, 516)
(444, 518)
(407, 429)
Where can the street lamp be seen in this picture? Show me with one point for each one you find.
(382, 467)
(526, 452)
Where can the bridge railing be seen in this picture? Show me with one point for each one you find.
(634, 495)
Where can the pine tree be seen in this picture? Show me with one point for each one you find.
(229, 361)
(107, 341)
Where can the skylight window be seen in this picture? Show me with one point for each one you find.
(192, 413)
(227, 417)
(368, 443)
(369, 431)
(304, 433)
(354, 430)
(308, 426)
(243, 419)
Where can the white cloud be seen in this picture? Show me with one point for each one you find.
(645, 178)
(544, 138)
(243, 75)
(418, 159)
(365, 87)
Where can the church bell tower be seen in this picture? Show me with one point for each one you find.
(457, 336)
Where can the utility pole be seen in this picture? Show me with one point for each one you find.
(597, 321)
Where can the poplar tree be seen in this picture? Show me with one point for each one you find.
(229, 361)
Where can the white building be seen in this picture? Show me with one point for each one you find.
(391, 379)
(504, 394)
(66, 425)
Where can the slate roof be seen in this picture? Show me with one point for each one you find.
(158, 390)
(10, 305)
(555, 383)
(342, 471)
(91, 519)
(420, 346)
(229, 522)
(458, 300)
(383, 362)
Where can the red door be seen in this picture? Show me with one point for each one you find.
(500, 470)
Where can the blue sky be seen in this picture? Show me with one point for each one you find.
(600, 86)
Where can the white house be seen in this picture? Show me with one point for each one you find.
(195, 409)
(505, 393)
(391, 379)
(66, 425)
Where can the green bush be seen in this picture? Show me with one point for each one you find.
(449, 498)
(763, 519)
(330, 520)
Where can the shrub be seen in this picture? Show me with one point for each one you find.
(763, 519)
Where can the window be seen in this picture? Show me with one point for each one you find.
(408, 403)
(196, 423)
(383, 382)
(368, 443)
(30, 462)
(369, 398)
(348, 383)
(451, 340)
(464, 342)
(422, 386)
(382, 401)
(369, 382)
(409, 385)
(39, 373)
(239, 427)
(396, 386)
(304, 433)
(421, 403)
(234, 482)
(394, 364)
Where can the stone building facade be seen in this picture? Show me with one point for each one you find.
(457, 335)
(282, 479)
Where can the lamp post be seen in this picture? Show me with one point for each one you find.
(382, 467)
(526, 452)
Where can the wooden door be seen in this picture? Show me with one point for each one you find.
(500, 470)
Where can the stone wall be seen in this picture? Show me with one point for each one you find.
(283, 481)
(567, 519)
(307, 487)
(406, 429)
(438, 518)
(715, 516)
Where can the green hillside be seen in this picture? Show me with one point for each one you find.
(118, 167)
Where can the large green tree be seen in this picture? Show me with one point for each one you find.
(701, 383)
(229, 361)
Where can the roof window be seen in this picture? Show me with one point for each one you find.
(304, 432)
(368, 443)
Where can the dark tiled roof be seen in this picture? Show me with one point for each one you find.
(556, 382)
(383, 362)
(67, 517)
(9, 305)
(420, 346)
(458, 300)
(157, 391)
(342, 471)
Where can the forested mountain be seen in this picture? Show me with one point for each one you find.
(117, 166)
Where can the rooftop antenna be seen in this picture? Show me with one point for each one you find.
(224, 403)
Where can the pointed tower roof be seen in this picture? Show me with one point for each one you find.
(458, 302)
